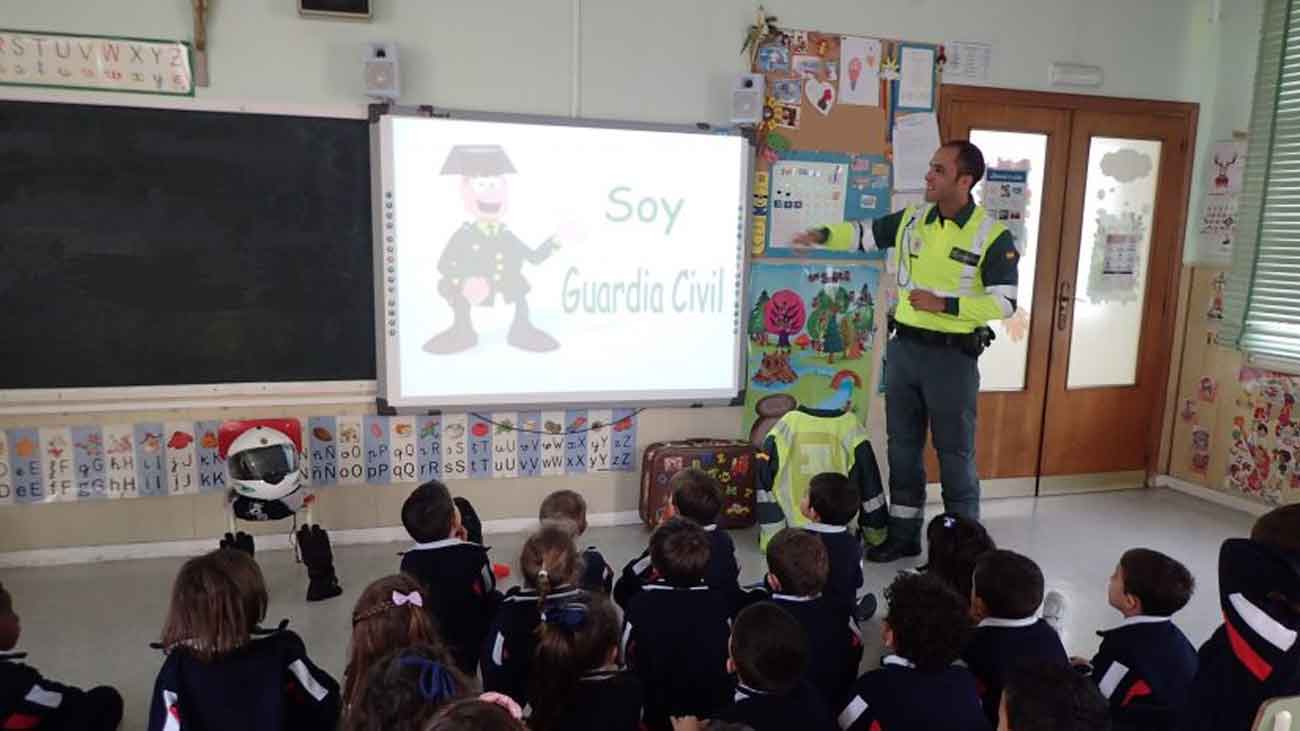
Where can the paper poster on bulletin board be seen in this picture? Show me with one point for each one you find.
(807, 189)
(811, 328)
(831, 105)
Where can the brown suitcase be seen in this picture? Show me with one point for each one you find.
(731, 461)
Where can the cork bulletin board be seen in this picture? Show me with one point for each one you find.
(826, 145)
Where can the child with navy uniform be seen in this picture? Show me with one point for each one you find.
(1048, 696)
(549, 565)
(955, 543)
(30, 701)
(568, 509)
(1254, 655)
(405, 689)
(388, 616)
(831, 504)
(675, 630)
(462, 592)
(577, 684)
(1006, 592)
(918, 687)
(1145, 666)
(217, 676)
(769, 655)
(797, 569)
(695, 495)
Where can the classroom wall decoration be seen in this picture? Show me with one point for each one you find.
(812, 329)
(100, 63)
(826, 151)
(1217, 228)
(114, 461)
(1265, 437)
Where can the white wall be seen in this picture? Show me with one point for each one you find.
(668, 60)
(662, 61)
(1223, 81)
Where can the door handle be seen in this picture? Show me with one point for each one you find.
(1064, 303)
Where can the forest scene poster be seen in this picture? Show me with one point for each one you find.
(811, 330)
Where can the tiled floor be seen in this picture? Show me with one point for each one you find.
(92, 624)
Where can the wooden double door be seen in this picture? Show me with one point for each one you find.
(1072, 392)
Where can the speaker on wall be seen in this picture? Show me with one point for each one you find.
(346, 9)
(747, 97)
(382, 73)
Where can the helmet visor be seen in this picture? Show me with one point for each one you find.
(269, 464)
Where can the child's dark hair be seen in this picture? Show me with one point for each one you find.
(564, 505)
(549, 561)
(1011, 585)
(1162, 584)
(380, 626)
(575, 637)
(404, 690)
(1053, 697)
(696, 495)
(769, 647)
(472, 714)
(799, 562)
(428, 513)
(1279, 528)
(217, 600)
(833, 497)
(929, 620)
(679, 551)
(956, 543)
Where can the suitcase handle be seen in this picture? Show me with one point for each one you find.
(700, 441)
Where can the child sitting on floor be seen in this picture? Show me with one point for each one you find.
(550, 566)
(768, 653)
(389, 616)
(568, 509)
(797, 569)
(576, 682)
(675, 630)
(461, 585)
(221, 672)
(1006, 592)
(1255, 654)
(955, 543)
(918, 687)
(29, 701)
(405, 689)
(1145, 666)
(695, 495)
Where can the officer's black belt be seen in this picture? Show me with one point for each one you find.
(931, 337)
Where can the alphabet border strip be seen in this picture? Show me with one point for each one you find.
(156, 458)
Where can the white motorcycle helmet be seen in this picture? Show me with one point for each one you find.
(263, 464)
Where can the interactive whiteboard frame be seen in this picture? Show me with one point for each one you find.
(388, 369)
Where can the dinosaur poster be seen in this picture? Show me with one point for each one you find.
(810, 331)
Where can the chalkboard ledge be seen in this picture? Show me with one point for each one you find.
(201, 396)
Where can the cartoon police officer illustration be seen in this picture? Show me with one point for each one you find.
(484, 258)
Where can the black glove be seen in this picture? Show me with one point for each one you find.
(314, 545)
(240, 541)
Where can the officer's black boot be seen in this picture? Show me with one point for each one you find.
(525, 336)
(314, 544)
(457, 338)
(893, 549)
